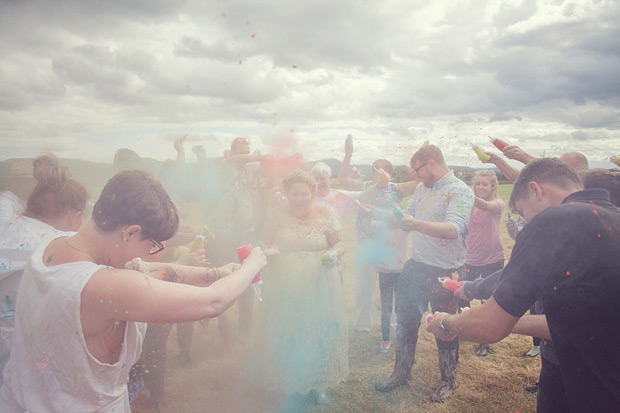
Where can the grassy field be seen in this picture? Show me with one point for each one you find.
(490, 384)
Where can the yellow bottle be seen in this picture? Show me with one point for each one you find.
(480, 152)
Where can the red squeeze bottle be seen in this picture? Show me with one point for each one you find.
(450, 284)
(242, 253)
(499, 144)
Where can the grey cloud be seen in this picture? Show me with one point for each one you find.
(510, 14)
(308, 35)
(575, 62)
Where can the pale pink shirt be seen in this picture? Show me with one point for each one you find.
(484, 245)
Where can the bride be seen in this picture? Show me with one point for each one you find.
(301, 336)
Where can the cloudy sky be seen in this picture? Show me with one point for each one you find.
(83, 78)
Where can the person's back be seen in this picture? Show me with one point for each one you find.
(582, 292)
(46, 371)
(577, 280)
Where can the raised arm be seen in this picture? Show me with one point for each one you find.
(508, 171)
(240, 159)
(113, 294)
(487, 323)
(495, 206)
(183, 274)
(180, 148)
(346, 181)
(373, 191)
(518, 154)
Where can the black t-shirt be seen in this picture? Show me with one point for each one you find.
(568, 256)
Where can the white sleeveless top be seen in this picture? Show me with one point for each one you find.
(50, 368)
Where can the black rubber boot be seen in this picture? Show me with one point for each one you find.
(404, 358)
(448, 360)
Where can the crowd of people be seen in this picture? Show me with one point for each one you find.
(78, 286)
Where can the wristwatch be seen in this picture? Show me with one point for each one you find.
(442, 327)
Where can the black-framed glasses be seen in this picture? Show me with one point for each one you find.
(417, 170)
(157, 247)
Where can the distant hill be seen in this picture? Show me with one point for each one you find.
(93, 175)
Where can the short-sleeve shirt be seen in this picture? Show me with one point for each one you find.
(567, 257)
(448, 200)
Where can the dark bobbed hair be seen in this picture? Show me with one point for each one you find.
(56, 193)
(544, 171)
(135, 198)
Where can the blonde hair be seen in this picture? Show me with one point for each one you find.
(299, 177)
(487, 173)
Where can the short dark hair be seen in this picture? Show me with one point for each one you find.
(544, 171)
(602, 178)
(135, 198)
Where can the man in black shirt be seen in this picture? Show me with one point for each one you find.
(565, 257)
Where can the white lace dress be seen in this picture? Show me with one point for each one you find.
(301, 334)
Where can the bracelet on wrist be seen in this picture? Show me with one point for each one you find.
(443, 328)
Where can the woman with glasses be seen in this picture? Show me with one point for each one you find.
(80, 315)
